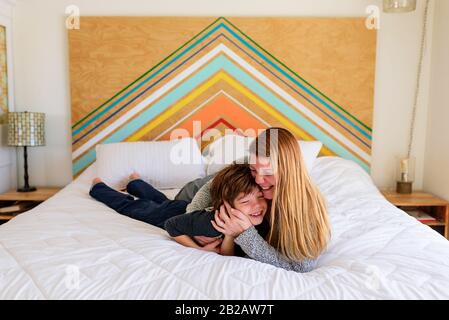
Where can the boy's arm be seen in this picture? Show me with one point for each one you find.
(186, 241)
(196, 223)
(183, 227)
(227, 246)
(180, 225)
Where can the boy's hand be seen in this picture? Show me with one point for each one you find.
(203, 240)
(213, 246)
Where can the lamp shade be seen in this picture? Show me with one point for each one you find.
(398, 6)
(26, 129)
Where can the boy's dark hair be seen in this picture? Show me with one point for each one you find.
(230, 182)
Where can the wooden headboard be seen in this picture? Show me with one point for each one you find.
(140, 78)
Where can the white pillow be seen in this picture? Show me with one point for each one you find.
(164, 164)
(310, 151)
(231, 147)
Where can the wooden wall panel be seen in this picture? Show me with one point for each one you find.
(137, 78)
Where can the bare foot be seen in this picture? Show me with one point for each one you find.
(96, 180)
(134, 176)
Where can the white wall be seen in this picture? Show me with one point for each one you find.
(8, 169)
(42, 79)
(436, 169)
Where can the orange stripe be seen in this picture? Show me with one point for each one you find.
(220, 107)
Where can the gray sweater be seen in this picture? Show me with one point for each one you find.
(201, 200)
(250, 240)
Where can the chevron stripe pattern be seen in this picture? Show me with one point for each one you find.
(223, 80)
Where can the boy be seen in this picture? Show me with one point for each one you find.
(233, 184)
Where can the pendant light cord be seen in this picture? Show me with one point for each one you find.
(418, 77)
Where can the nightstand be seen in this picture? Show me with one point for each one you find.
(13, 203)
(435, 207)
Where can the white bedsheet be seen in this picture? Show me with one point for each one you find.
(72, 247)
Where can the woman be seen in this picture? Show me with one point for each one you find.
(299, 225)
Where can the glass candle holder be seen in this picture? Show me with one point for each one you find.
(405, 174)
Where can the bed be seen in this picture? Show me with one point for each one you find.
(72, 247)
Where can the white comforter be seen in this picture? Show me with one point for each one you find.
(72, 247)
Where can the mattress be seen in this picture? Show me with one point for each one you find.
(72, 247)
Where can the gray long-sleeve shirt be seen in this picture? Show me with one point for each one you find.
(250, 240)
(202, 199)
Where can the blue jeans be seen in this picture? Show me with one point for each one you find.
(152, 206)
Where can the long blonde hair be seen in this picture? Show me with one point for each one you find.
(299, 222)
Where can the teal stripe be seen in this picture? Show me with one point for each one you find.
(347, 120)
(221, 62)
(87, 159)
(287, 111)
(95, 117)
(255, 50)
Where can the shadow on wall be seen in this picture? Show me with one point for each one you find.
(6, 165)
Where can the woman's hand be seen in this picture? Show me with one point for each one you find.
(230, 222)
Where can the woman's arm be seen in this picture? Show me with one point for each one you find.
(227, 246)
(232, 222)
(201, 200)
(258, 249)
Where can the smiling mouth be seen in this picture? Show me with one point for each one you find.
(267, 188)
(256, 214)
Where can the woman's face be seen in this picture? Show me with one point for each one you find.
(263, 174)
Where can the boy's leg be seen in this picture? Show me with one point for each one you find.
(143, 190)
(144, 210)
(110, 197)
(152, 212)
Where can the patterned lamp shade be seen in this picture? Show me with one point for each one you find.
(26, 129)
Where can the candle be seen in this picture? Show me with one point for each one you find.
(404, 170)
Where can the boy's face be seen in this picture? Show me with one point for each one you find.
(253, 205)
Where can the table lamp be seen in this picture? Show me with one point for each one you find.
(26, 129)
